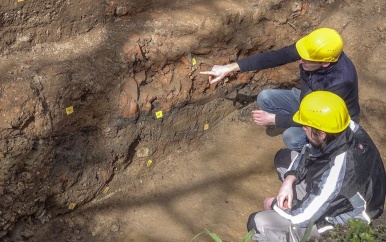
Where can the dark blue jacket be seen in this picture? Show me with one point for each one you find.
(339, 77)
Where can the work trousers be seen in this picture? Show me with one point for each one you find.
(269, 225)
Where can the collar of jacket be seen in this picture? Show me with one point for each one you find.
(322, 71)
(336, 147)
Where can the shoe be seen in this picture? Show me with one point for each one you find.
(272, 130)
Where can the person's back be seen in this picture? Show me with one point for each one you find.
(347, 172)
(337, 177)
(339, 77)
(348, 177)
(369, 173)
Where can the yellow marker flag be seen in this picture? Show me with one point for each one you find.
(72, 206)
(159, 114)
(149, 162)
(206, 126)
(70, 110)
(194, 62)
(20, 1)
(106, 190)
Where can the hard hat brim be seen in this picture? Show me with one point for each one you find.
(302, 50)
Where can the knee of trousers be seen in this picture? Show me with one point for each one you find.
(251, 222)
(294, 141)
(283, 158)
(262, 98)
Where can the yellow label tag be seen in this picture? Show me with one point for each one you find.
(106, 190)
(72, 206)
(194, 62)
(206, 126)
(20, 1)
(159, 114)
(149, 162)
(70, 110)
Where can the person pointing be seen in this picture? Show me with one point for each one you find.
(322, 66)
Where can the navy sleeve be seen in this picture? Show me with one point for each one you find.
(285, 121)
(269, 59)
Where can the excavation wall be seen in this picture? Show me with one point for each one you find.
(87, 86)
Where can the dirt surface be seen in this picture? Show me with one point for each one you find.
(215, 177)
(213, 184)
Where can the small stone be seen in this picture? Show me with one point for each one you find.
(71, 224)
(143, 152)
(114, 228)
(27, 233)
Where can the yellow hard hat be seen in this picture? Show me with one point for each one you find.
(323, 110)
(321, 45)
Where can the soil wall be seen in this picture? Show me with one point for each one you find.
(86, 86)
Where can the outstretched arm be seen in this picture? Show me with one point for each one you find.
(256, 62)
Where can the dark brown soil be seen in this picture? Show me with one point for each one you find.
(113, 171)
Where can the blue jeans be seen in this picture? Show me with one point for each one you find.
(279, 101)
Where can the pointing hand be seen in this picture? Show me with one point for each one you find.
(219, 72)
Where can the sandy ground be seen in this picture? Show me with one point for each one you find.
(213, 184)
(218, 181)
